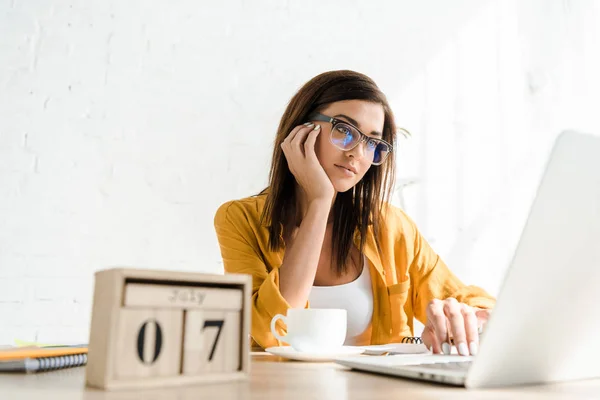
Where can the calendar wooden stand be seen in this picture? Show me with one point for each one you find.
(158, 328)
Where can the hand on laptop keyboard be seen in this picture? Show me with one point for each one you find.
(450, 321)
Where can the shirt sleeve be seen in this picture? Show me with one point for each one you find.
(241, 254)
(432, 279)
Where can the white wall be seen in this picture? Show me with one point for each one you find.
(123, 126)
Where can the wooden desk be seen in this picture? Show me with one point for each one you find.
(273, 378)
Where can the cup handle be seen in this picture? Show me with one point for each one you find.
(274, 331)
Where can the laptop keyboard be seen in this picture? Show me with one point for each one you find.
(454, 366)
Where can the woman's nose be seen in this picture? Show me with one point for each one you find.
(358, 152)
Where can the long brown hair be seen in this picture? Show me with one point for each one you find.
(354, 209)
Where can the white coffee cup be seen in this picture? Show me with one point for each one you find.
(313, 329)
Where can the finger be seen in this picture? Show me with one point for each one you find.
(286, 144)
(300, 136)
(482, 314)
(472, 335)
(437, 321)
(288, 158)
(309, 144)
(294, 132)
(452, 310)
(297, 144)
(430, 340)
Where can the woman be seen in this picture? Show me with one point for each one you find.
(324, 235)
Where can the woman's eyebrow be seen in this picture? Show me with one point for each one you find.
(356, 124)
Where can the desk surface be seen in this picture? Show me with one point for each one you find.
(273, 378)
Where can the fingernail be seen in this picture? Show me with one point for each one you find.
(445, 348)
(310, 124)
(317, 127)
(463, 350)
(474, 348)
(307, 123)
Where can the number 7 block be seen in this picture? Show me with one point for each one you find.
(211, 342)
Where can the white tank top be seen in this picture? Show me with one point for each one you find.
(356, 298)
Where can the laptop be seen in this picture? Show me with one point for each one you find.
(546, 323)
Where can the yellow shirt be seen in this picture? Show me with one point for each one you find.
(406, 275)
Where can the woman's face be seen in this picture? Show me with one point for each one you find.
(346, 168)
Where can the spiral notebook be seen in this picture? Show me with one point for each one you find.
(38, 359)
(409, 345)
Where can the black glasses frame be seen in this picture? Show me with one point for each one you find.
(363, 137)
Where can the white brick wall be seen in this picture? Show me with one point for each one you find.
(124, 124)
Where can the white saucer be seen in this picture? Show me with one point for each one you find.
(289, 353)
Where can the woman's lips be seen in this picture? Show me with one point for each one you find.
(346, 171)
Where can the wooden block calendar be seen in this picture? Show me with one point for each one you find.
(158, 328)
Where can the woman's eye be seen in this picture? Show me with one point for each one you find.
(344, 131)
(372, 144)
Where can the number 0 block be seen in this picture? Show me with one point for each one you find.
(151, 343)
(157, 328)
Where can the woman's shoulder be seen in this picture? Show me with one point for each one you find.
(247, 208)
(395, 219)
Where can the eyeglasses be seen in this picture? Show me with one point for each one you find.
(346, 136)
